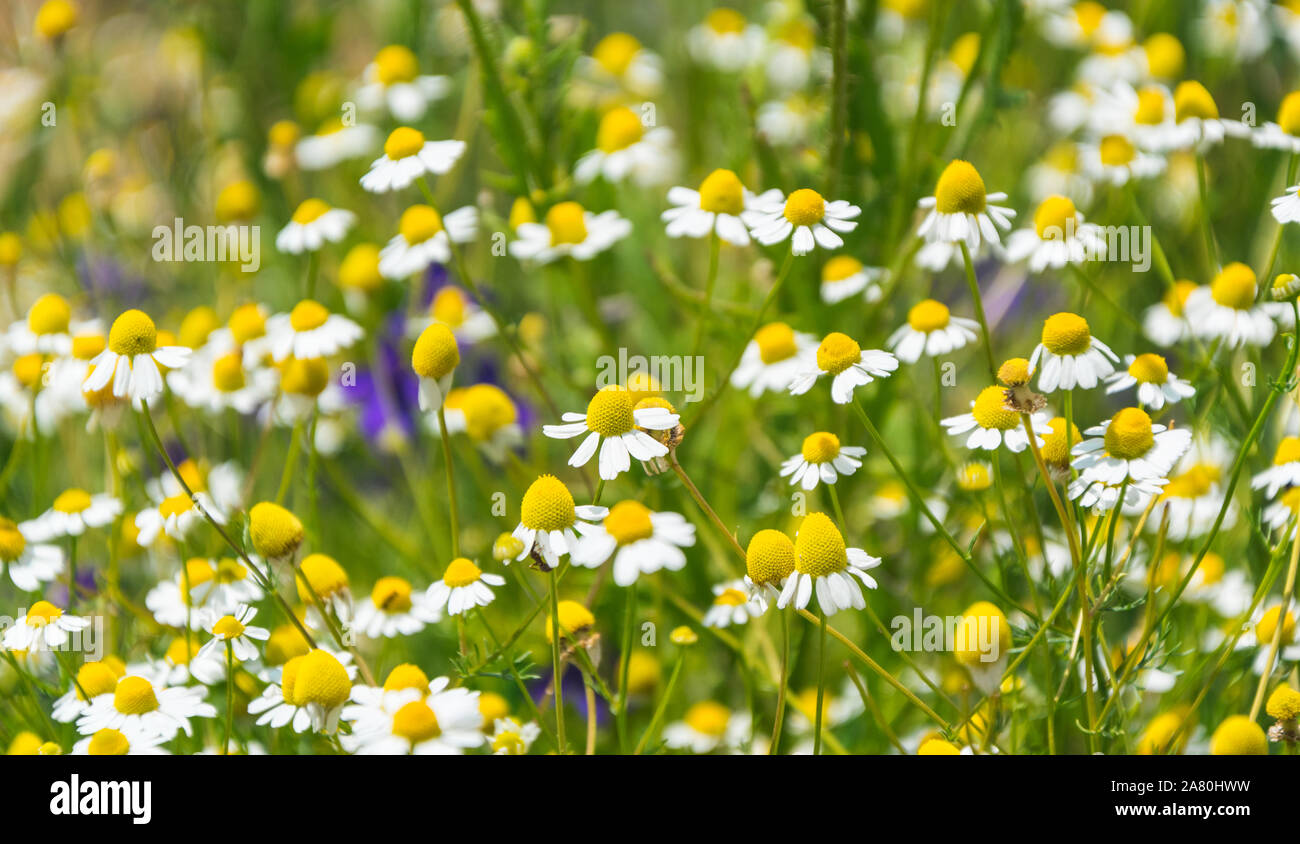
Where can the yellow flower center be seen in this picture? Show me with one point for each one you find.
(1239, 735)
(283, 133)
(396, 63)
(247, 323)
(392, 594)
(805, 207)
(238, 200)
(722, 193)
(86, 346)
(510, 742)
(1284, 703)
(55, 18)
(96, 679)
(1266, 627)
(419, 223)
(308, 315)
(770, 557)
(50, 314)
(175, 505)
(725, 21)
(435, 354)
(819, 547)
(12, 543)
(1129, 434)
(574, 618)
(416, 722)
(775, 342)
(1054, 450)
(1235, 286)
(42, 613)
(521, 211)
(1116, 151)
(72, 501)
(360, 268)
(320, 679)
(133, 333)
(821, 447)
(1089, 15)
(1288, 451)
(1053, 216)
(325, 576)
(108, 742)
(1066, 334)
(461, 572)
(840, 267)
(134, 696)
(1014, 372)
(487, 410)
(197, 325)
(609, 413)
(29, 369)
(628, 522)
(228, 627)
(965, 50)
(971, 636)
(449, 306)
(230, 571)
(275, 531)
(407, 676)
(1193, 483)
(304, 376)
(619, 129)
(974, 477)
(1165, 55)
(548, 505)
(797, 33)
(1288, 114)
(567, 223)
(615, 52)
(837, 352)
(928, 315)
(1175, 300)
(198, 571)
(960, 189)
(403, 142)
(1192, 100)
(310, 210)
(1151, 107)
(228, 373)
(708, 718)
(991, 411)
(731, 598)
(1149, 369)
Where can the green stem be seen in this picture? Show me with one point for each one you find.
(556, 676)
(629, 626)
(973, 283)
(706, 306)
(658, 716)
(821, 683)
(451, 481)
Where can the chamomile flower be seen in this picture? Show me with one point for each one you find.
(394, 609)
(773, 359)
(72, 513)
(147, 706)
(335, 143)
(487, 415)
(463, 587)
(452, 307)
(443, 722)
(1235, 29)
(1127, 447)
(321, 686)
(1282, 513)
(617, 427)
(793, 57)
(407, 157)
(725, 41)
(314, 224)
(132, 361)
(1115, 160)
(510, 738)
(568, 230)
(393, 82)
(932, 330)
(822, 459)
(547, 519)
(127, 741)
(1284, 472)
(94, 679)
(235, 632)
(732, 604)
(849, 366)
(1286, 208)
(960, 210)
(42, 626)
(715, 208)
(218, 490)
(626, 149)
(807, 216)
(639, 540)
(1156, 385)
(1285, 133)
(422, 239)
(1059, 237)
(1226, 310)
(620, 62)
(844, 276)
(1194, 495)
(769, 560)
(278, 706)
(310, 331)
(707, 726)
(434, 359)
(47, 328)
(991, 423)
(1165, 323)
(823, 563)
(215, 382)
(1070, 356)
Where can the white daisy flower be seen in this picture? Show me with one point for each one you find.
(422, 239)
(823, 563)
(452, 307)
(620, 62)
(277, 706)
(614, 424)
(822, 459)
(48, 328)
(991, 423)
(1285, 133)
(393, 81)
(932, 330)
(773, 359)
(1059, 236)
(1156, 385)
(1285, 471)
(310, 331)
(73, 512)
(639, 541)
(42, 627)
(407, 157)
(484, 413)
(726, 41)
(463, 587)
(1194, 495)
(788, 122)
(1165, 323)
(510, 738)
(716, 208)
(960, 211)
(95, 679)
(394, 609)
(314, 223)
(1115, 160)
(132, 361)
(217, 382)
(1281, 514)
(1096, 494)
(626, 149)
(547, 520)
(1235, 29)
(1070, 355)
(570, 231)
(733, 604)
(793, 57)
(811, 220)
(442, 723)
(844, 276)
(335, 143)
(1226, 310)
(30, 563)
(174, 512)
(849, 366)
(1286, 208)
(1127, 447)
(146, 706)
(234, 631)
(707, 726)
(128, 741)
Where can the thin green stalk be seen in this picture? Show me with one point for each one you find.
(710, 281)
(773, 747)
(658, 717)
(556, 676)
(973, 283)
(821, 683)
(625, 664)
(1283, 610)
(451, 481)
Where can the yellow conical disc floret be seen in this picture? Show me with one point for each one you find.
(418, 224)
(990, 410)
(960, 189)
(133, 333)
(722, 193)
(108, 742)
(609, 413)
(1055, 218)
(307, 377)
(436, 354)
(574, 618)
(396, 63)
(95, 679)
(1235, 286)
(1192, 100)
(708, 718)
(1266, 627)
(321, 679)
(416, 722)
(615, 52)
(461, 572)
(1129, 434)
(134, 696)
(403, 142)
(567, 223)
(55, 18)
(770, 557)
(1066, 334)
(819, 547)
(407, 676)
(1159, 736)
(548, 505)
(49, 314)
(775, 342)
(391, 594)
(805, 207)
(1014, 372)
(628, 522)
(1149, 369)
(983, 635)
(1238, 735)
(619, 129)
(938, 747)
(837, 353)
(821, 447)
(276, 532)
(325, 576)
(1284, 703)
